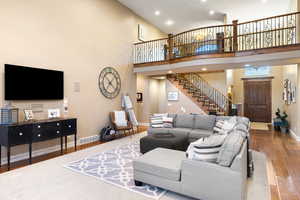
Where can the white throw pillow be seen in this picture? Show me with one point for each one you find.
(206, 149)
(167, 122)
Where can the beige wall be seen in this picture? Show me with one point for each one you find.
(277, 87)
(80, 38)
(216, 80)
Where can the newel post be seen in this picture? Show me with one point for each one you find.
(235, 35)
(170, 45)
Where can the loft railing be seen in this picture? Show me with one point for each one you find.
(151, 51)
(216, 39)
(264, 33)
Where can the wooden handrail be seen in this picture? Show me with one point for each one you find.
(150, 41)
(197, 29)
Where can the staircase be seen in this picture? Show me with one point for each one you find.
(208, 98)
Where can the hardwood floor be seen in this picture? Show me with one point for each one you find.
(282, 151)
(283, 154)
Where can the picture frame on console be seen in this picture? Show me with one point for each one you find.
(53, 113)
(28, 114)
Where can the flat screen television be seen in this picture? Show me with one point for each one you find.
(27, 83)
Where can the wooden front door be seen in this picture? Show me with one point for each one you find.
(258, 100)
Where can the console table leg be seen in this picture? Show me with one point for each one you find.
(61, 145)
(0, 156)
(30, 153)
(66, 142)
(8, 157)
(75, 140)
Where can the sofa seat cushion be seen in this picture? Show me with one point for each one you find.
(184, 121)
(200, 133)
(158, 130)
(164, 163)
(206, 122)
(181, 131)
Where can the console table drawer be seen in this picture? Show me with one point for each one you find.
(46, 131)
(19, 135)
(69, 127)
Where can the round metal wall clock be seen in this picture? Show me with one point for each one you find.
(109, 82)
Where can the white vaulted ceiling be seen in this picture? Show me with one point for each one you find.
(189, 14)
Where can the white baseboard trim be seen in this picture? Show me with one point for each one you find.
(40, 152)
(294, 135)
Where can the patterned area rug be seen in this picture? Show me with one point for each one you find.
(115, 167)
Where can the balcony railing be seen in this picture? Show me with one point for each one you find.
(264, 33)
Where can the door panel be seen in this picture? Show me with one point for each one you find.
(257, 100)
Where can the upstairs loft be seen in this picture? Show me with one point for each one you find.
(263, 36)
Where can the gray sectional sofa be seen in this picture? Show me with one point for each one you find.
(193, 125)
(172, 170)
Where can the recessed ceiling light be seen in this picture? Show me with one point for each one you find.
(264, 1)
(247, 65)
(212, 12)
(170, 72)
(204, 69)
(157, 13)
(203, 1)
(169, 22)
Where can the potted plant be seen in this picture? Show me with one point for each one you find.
(281, 122)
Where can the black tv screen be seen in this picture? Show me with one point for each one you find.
(27, 83)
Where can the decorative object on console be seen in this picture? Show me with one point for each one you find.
(66, 106)
(173, 96)
(9, 115)
(53, 113)
(109, 82)
(139, 97)
(28, 115)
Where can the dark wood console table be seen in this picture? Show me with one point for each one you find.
(36, 131)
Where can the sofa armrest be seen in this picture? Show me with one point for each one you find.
(210, 181)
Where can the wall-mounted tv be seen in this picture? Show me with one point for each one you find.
(27, 83)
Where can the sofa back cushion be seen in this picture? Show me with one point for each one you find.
(184, 121)
(206, 122)
(230, 149)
